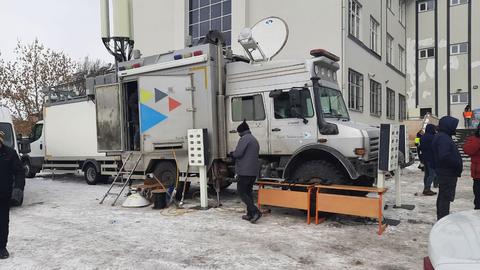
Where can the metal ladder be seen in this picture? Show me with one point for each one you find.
(119, 178)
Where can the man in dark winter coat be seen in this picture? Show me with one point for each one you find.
(247, 168)
(11, 175)
(447, 162)
(427, 159)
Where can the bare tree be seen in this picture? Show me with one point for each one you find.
(23, 80)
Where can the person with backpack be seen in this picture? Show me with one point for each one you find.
(472, 149)
(467, 116)
(447, 162)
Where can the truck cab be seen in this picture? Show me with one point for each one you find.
(34, 157)
(6, 125)
(296, 110)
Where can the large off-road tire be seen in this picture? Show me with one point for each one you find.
(29, 172)
(91, 175)
(166, 173)
(313, 171)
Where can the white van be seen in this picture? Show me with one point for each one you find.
(6, 125)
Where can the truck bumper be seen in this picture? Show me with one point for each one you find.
(367, 168)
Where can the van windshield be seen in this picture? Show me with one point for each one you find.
(332, 102)
(8, 130)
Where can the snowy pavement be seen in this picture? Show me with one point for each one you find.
(62, 226)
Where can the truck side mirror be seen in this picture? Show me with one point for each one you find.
(275, 93)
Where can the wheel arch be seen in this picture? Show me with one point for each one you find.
(91, 162)
(154, 162)
(319, 152)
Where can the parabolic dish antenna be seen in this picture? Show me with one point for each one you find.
(270, 36)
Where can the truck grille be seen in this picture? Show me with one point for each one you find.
(374, 145)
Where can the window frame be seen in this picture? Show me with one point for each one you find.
(390, 113)
(426, 50)
(375, 98)
(429, 6)
(459, 98)
(402, 107)
(459, 47)
(401, 58)
(224, 19)
(402, 12)
(294, 117)
(458, 2)
(254, 114)
(374, 35)
(358, 91)
(389, 47)
(354, 22)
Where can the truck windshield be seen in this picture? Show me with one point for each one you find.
(332, 102)
(7, 129)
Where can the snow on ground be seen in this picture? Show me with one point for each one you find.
(62, 226)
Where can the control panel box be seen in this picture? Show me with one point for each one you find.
(403, 143)
(197, 147)
(389, 146)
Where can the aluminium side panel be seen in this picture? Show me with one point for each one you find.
(70, 130)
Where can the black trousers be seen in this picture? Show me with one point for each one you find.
(446, 194)
(245, 191)
(476, 192)
(4, 219)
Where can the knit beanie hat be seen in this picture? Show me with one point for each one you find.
(2, 137)
(243, 127)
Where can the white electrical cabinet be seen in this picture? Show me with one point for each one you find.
(197, 147)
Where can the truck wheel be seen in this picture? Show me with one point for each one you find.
(166, 172)
(29, 172)
(313, 171)
(92, 177)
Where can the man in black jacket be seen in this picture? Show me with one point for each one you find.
(427, 159)
(447, 162)
(247, 168)
(11, 174)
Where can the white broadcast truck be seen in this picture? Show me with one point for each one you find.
(6, 125)
(65, 141)
(293, 107)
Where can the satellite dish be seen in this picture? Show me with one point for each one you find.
(265, 39)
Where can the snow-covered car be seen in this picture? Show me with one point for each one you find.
(454, 242)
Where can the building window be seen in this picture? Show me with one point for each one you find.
(374, 25)
(389, 4)
(248, 107)
(458, 2)
(389, 48)
(390, 104)
(355, 90)
(426, 5)
(426, 53)
(354, 18)
(375, 98)
(402, 11)
(206, 15)
(459, 48)
(459, 98)
(284, 109)
(401, 58)
(402, 107)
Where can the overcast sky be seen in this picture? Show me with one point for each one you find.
(71, 26)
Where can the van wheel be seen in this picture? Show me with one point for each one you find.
(92, 177)
(166, 173)
(29, 172)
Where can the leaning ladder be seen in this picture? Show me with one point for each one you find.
(119, 177)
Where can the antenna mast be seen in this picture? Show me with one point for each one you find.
(120, 44)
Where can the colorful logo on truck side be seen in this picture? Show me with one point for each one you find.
(150, 117)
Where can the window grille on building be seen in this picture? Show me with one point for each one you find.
(426, 53)
(426, 5)
(458, 2)
(460, 48)
(355, 90)
(206, 15)
(390, 104)
(402, 7)
(401, 58)
(375, 98)
(459, 98)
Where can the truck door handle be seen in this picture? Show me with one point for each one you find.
(41, 146)
(232, 131)
(276, 129)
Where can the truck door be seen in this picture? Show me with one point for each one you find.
(110, 120)
(165, 110)
(292, 120)
(37, 147)
(252, 108)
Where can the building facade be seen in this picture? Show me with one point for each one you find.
(443, 51)
(368, 35)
